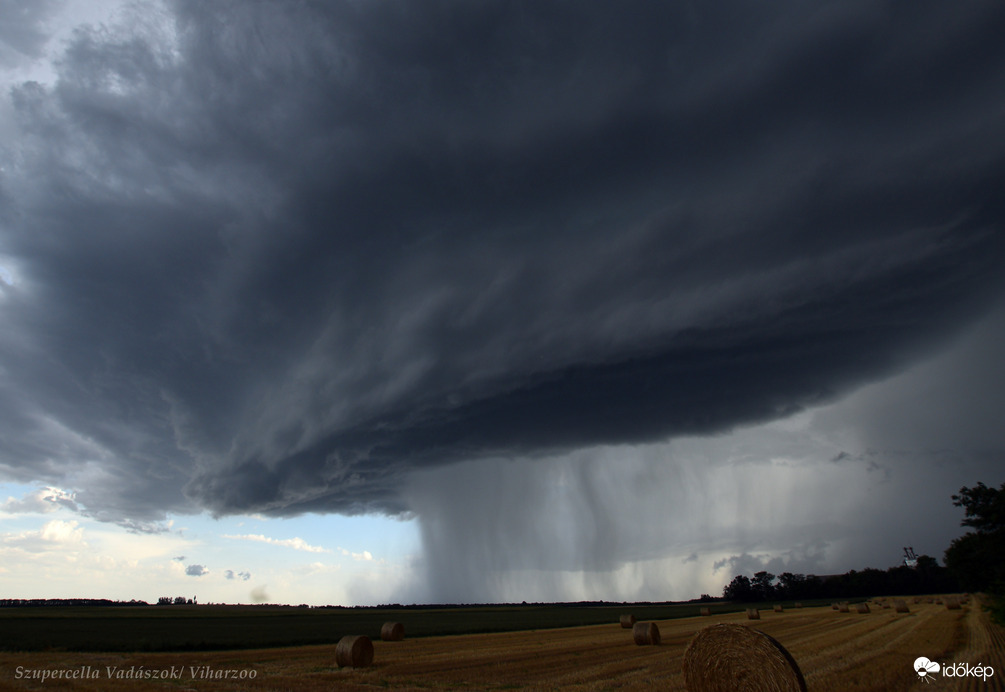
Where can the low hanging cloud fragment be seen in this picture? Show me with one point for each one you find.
(277, 260)
(40, 501)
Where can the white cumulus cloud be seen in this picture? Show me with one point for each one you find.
(295, 543)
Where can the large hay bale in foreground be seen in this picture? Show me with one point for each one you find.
(354, 650)
(900, 606)
(705, 611)
(646, 633)
(392, 632)
(729, 657)
(753, 614)
(627, 621)
(862, 608)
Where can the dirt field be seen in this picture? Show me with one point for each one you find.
(836, 651)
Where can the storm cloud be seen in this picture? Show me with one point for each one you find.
(257, 257)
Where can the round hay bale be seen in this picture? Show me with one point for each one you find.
(843, 607)
(646, 633)
(952, 603)
(354, 650)
(834, 606)
(779, 608)
(917, 600)
(862, 608)
(705, 610)
(729, 657)
(753, 614)
(392, 632)
(799, 605)
(901, 607)
(627, 621)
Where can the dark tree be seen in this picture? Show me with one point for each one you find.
(791, 585)
(984, 507)
(763, 585)
(977, 559)
(738, 589)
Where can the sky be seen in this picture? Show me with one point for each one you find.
(368, 302)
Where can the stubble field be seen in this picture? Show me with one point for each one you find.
(836, 651)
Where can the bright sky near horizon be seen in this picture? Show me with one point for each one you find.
(493, 302)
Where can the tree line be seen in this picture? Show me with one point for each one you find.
(56, 602)
(927, 577)
(973, 562)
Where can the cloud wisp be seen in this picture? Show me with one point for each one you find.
(295, 543)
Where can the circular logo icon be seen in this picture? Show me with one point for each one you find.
(924, 667)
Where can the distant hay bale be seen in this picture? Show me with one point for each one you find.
(705, 610)
(354, 650)
(392, 632)
(861, 607)
(886, 605)
(799, 605)
(917, 600)
(753, 614)
(952, 603)
(729, 657)
(900, 606)
(646, 633)
(835, 606)
(843, 607)
(779, 608)
(627, 621)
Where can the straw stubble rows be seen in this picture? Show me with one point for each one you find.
(836, 651)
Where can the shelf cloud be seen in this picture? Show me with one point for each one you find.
(274, 259)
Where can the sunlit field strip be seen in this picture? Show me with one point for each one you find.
(836, 651)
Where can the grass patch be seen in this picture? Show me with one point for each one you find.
(207, 628)
(211, 627)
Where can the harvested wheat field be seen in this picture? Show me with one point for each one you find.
(834, 650)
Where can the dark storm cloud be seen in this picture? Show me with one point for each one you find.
(274, 258)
